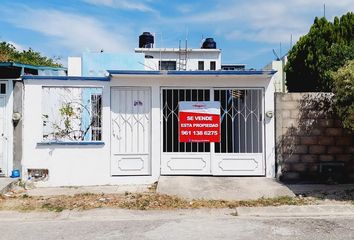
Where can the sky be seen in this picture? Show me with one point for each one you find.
(247, 31)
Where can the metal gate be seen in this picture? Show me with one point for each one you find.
(130, 139)
(240, 151)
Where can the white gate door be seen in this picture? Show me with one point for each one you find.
(182, 158)
(130, 140)
(240, 152)
(3, 160)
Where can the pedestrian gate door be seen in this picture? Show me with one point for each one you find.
(240, 151)
(130, 140)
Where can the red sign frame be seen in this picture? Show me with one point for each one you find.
(199, 121)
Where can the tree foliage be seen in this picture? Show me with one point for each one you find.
(326, 47)
(8, 53)
(343, 88)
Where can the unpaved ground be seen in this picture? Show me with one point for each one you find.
(18, 199)
(140, 201)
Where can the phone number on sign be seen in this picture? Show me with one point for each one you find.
(199, 133)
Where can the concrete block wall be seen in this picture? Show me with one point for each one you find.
(309, 136)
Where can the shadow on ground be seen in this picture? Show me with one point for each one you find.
(338, 192)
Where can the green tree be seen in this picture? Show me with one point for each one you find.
(8, 53)
(343, 89)
(326, 47)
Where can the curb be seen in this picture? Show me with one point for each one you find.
(297, 211)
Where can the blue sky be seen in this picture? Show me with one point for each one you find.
(246, 31)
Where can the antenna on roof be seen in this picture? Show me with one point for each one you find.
(276, 55)
(291, 41)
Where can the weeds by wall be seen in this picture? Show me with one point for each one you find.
(311, 144)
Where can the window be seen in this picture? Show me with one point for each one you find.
(167, 65)
(2, 88)
(212, 65)
(200, 65)
(72, 114)
(96, 113)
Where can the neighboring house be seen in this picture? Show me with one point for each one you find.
(133, 118)
(208, 57)
(150, 58)
(280, 76)
(11, 90)
(96, 64)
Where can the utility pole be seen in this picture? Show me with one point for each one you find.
(324, 10)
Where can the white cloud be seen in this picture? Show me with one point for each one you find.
(18, 46)
(185, 8)
(264, 21)
(142, 6)
(75, 32)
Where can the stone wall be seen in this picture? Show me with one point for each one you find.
(311, 144)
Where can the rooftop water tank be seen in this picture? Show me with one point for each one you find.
(209, 43)
(146, 40)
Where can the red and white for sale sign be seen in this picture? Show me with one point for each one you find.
(199, 121)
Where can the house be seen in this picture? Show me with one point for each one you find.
(168, 112)
(208, 57)
(95, 64)
(11, 109)
(280, 76)
(126, 128)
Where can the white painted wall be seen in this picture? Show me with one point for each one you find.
(74, 66)
(280, 76)
(90, 165)
(193, 56)
(7, 139)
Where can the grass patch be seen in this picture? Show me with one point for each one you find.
(25, 196)
(53, 208)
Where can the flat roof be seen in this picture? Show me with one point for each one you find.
(152, 73)
(67, 78)
(232, 64)
(218, 72)
(143, 50)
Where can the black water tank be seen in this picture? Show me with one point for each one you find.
(209, 43)
(146, 40)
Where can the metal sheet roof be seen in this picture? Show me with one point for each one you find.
(22, 65)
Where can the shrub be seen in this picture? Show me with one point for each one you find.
(343, 89)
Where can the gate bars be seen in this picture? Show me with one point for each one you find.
(241, 119)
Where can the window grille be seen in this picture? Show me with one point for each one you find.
(241, 112)
(96, 113)
(170, 100)
(241, 120)
(72, 114)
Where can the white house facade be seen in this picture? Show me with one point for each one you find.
(124, 129)
(189, 59)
